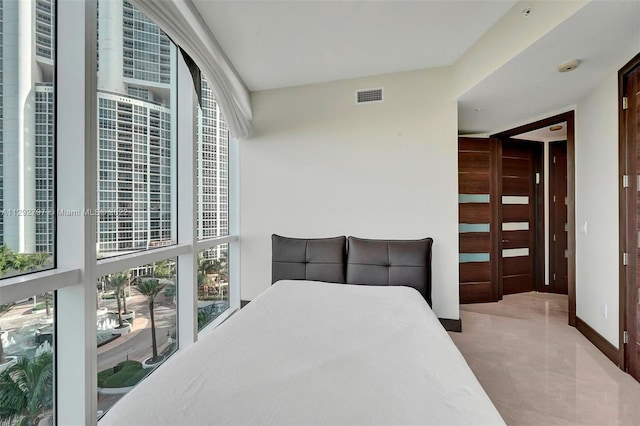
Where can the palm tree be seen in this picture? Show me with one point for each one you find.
(205, 268)
(26, 391)
(3, 309)
(151, 288)
(219, 268)
(47, 303)
(117, 282)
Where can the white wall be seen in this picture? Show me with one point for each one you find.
(317, 165)
(597, 250)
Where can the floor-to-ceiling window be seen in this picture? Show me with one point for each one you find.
(213, 208)
(117, 235)
(27, 208)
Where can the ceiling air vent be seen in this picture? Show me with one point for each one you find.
(368, 96)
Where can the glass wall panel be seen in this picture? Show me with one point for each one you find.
(136, 132)
(27, 145)
(212, 168)
(136, 326)
(26, 361)
(213, 284)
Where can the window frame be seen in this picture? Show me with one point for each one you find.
(77, 267)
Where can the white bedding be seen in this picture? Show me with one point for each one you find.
(315, 353)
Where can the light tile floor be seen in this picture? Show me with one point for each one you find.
(537, 370)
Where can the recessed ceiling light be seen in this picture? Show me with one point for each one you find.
(569, 66)
(555, 128)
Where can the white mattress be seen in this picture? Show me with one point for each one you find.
(308, 353)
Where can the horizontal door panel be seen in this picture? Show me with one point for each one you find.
(479, 145)
(516, 265)
(474, 272)
(515, 186)
(517, 283)
(515, 167)
(474, 213)
(513, 150)
(473, 183)
(479, 242)
(474, 161)
(516, 212)
(477, 292)
(515, 239)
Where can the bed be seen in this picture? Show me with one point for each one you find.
(317, 353)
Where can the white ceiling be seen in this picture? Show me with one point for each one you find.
(277, 44)
(545, 134)
(603, 34)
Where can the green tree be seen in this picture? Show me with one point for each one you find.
(164, 269)
(205, 269)
(26, 391)
(21, 262)
(219, 267)
(117, 283)
(7, 259)
(37, 261)
(151, 288)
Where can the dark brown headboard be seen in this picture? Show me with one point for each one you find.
(391, 262)
(320, 259)
(361, 261)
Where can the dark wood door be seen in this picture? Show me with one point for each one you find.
(558, 227)
(631, 116)
(521, 176)
(478, 189)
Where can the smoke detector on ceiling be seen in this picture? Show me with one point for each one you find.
(527, 12)
(569, 66)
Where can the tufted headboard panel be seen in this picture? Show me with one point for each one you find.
(391, 263)
(321, 259)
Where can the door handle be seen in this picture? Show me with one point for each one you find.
(505, 241)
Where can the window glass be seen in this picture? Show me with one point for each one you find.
(26, 360)
(27, 145)
(213, 284)
(213, 168)
(136, 327)
(136, 132)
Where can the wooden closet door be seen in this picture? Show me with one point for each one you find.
(478, 189)
(518, 248)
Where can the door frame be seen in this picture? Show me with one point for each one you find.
(569, 117)
(624, 213)
(553, 220)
